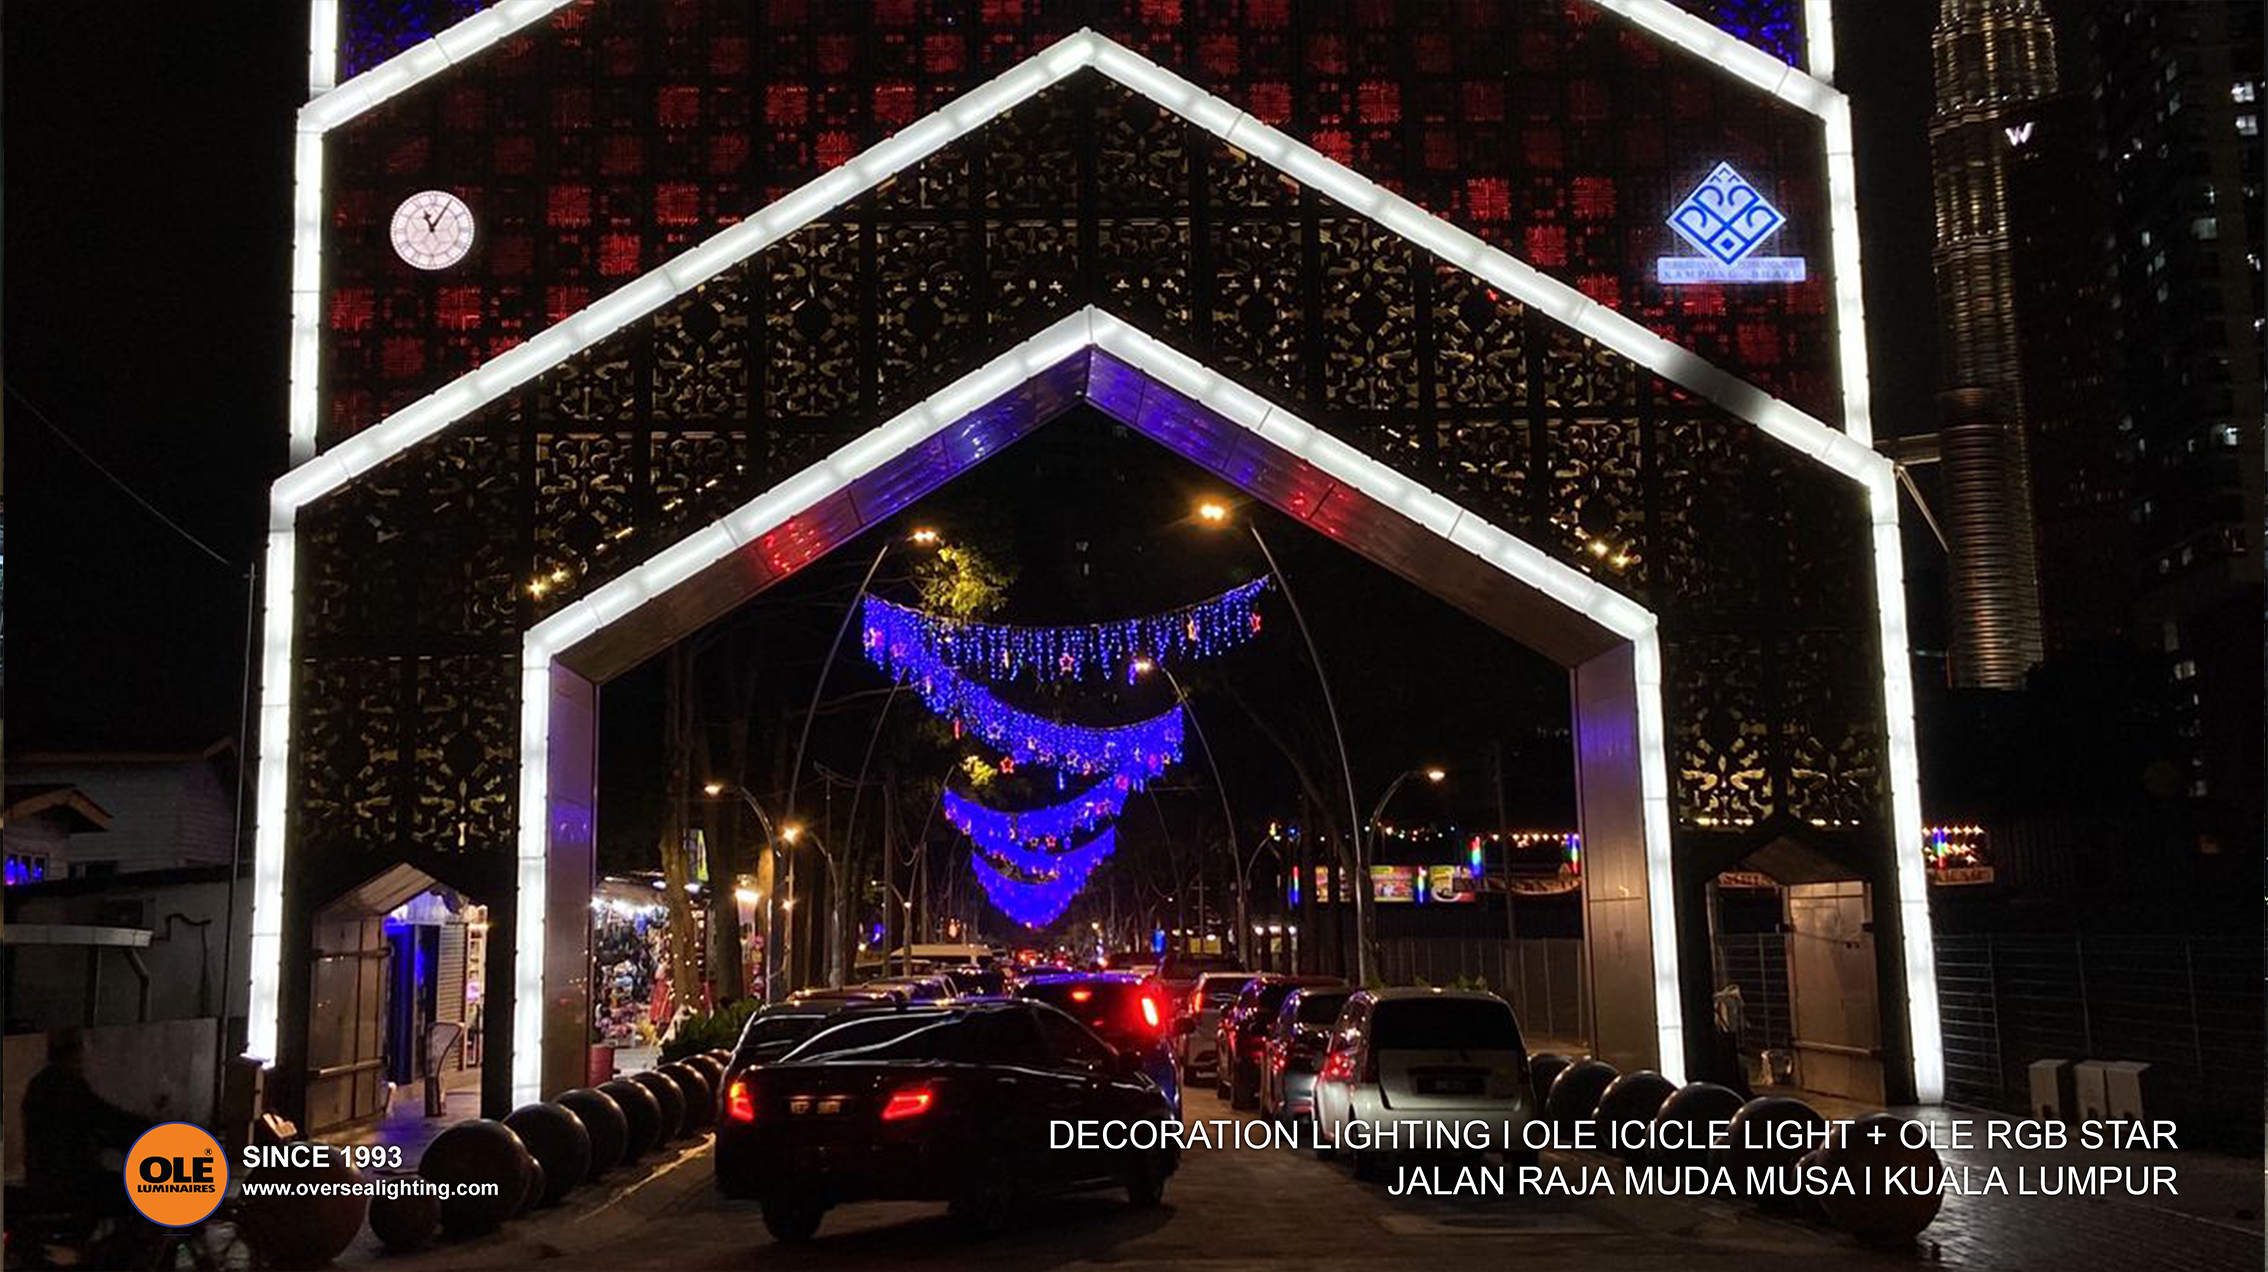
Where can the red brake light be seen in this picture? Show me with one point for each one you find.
(1150, 1015)
(907, 1102)
(740, 1103)
(1081, 995)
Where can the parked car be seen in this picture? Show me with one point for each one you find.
(1127, 1010)
(1241, 1037)
(947, 1102)
(770, 1034)
(846, 994)
(1142, 961)
(1297, 1038)
(913, 989)
(1198, 1019)
(1421, 1055)
(1178, 971)
(969, 980)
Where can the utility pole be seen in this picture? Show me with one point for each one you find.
(1503, 828)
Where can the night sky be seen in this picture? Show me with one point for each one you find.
(147, 223)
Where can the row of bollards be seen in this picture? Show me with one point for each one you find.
(534, 1158)
(1663, 1124)
(544, 1151)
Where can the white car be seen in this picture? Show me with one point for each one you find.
(1406, 1056)
(1199, 1021)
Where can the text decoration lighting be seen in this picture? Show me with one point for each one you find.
(1725, 219)
(1056, 879)
(1001, 651)
(1055, 823)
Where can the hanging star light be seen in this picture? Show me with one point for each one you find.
(902, 639)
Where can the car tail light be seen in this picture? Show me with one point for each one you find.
(1081, 995)
(908, 1102)
(1196, 1002)
(1151, 1016)
(740, 1102)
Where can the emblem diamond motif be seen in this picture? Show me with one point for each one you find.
(1725, 217)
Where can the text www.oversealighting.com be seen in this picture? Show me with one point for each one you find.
(389, 1187)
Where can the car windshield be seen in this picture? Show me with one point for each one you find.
(1272, 994)
(1321, 1007)
(974, 980)
(889, 1036)
(773, 1032)
(1445, 1024)
(1110, 1008)
(1220, 991)
(1187, 967)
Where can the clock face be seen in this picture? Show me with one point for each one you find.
(433, 229)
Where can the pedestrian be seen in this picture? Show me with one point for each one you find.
(1731, 1016)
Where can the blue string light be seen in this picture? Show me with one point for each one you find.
(1041, 900)
(1137, 751)
(906, 641)
(1054, 823)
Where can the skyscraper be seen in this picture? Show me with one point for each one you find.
(2003, 139)
(2179, 89)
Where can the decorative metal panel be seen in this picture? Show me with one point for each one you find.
(421, 576)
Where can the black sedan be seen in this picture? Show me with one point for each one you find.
(948, 1102)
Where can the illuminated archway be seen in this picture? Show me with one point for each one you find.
(464, 432)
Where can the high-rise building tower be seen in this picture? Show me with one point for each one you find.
(2180, 90)
(1995, 66)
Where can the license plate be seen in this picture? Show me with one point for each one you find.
(1448, 1086)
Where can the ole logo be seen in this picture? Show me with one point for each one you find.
(175, 1175)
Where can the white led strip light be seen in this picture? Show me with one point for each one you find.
(1845, 452)
(329, 105)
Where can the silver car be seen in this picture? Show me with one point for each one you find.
(1405, 1056)
(1199, 1022)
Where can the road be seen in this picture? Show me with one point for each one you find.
(1283, 1211)
(1226, 1209)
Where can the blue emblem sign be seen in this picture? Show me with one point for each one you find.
(1725, 219)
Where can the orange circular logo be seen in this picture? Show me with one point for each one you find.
(175, 1175)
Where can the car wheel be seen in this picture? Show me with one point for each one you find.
(1145, 1184)
(792, 1220)
(1220, 1080)
(1325, 1150)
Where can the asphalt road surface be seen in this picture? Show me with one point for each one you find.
(1225, 1209)
(1284, 1211)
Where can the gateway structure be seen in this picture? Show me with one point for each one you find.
(609, 314)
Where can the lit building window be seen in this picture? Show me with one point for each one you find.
(2242, 91)
(2248, 125)
(2186, 669)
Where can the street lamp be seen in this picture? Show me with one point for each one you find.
(1143, 666)
(1214, 512)
(923, 537)
(715, 789)
(1369, 832)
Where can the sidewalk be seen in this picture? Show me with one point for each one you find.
(590, 1216)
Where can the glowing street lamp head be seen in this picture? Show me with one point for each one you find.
(924, 536)
(712, 788)
(791, 832)
(1436, 774)
(1143, 666)
(1213, 511)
